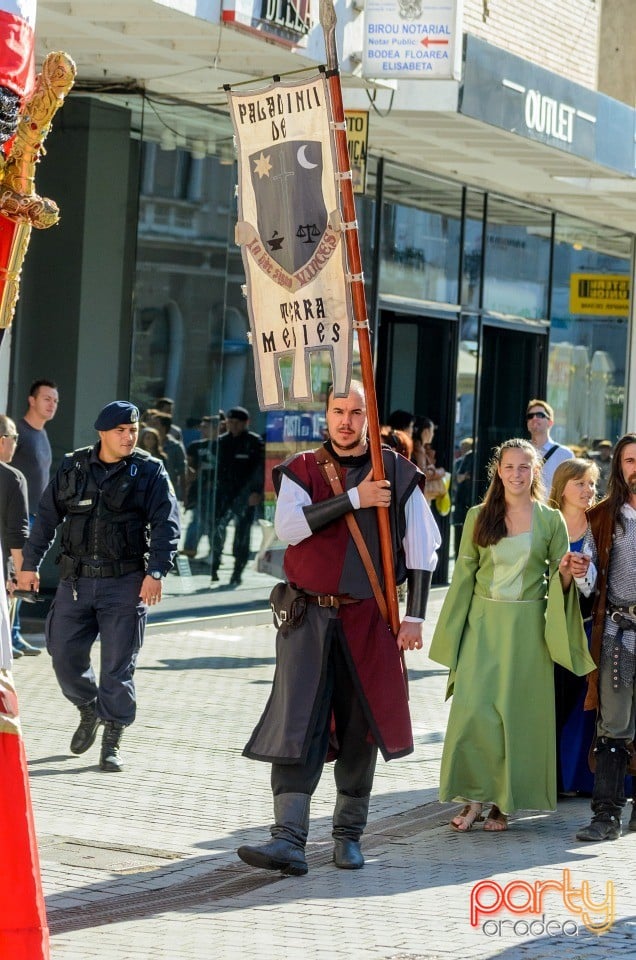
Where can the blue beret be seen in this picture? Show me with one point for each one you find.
(116, 413)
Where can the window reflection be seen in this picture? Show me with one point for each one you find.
(191, 324)
(421, 231)
(588, 333)
(517, 259)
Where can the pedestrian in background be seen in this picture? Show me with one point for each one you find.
(166, 405)
(499, 635)
(201, 496)
(239, 491)
(33, 458)
(14, 518)
(462, 488)
(398, 432)
(539, 421)
(603, 460)
(120, 530)
(176, 462)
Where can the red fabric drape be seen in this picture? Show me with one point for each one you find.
(17, 69)
(24, 933)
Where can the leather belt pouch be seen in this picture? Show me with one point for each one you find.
(289, 606)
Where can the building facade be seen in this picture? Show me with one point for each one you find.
(497, 224)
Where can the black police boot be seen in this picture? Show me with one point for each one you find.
(286, 850)
(109, 758)
(84, 736)
(236, 578)
(632, 819)
(608, 795)
(349, 820)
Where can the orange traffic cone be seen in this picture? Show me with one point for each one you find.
(24, 933)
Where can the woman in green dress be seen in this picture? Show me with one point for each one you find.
(502, 627)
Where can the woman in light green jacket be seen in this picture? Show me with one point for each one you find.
(501, 628)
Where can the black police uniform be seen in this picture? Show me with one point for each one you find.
(118, 520)
(240, 472)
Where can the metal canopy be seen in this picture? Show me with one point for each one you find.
(139, 44)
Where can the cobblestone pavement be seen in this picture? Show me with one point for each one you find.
(142, 866)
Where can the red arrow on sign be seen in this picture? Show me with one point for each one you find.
(426, 42)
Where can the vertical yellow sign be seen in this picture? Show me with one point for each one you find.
(357, 137)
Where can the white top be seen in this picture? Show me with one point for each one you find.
(421, 540)
(559, 455)
(6, 656)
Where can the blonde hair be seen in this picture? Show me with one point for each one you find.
(572, 469)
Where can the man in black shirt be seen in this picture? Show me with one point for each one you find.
(240, 481)
(33, 459)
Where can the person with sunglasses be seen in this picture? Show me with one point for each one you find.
(539, 422)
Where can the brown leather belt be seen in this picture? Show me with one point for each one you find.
(329, 599)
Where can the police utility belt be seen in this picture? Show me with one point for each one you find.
(71, 569)
(624, 617)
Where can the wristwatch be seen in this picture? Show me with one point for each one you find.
(155, 574)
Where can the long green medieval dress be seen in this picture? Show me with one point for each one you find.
(500, 634)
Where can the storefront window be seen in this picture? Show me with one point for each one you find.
(191, 324)
(588, 332)
(517, 259)
(421, 232)
(473, 246)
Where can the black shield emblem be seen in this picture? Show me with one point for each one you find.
(291, 212)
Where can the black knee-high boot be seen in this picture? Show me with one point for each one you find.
(608, 796)
(349, 820)
(286, 850)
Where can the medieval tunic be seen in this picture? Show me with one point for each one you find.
(327, 562)
(499, 634)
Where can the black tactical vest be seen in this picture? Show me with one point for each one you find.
(106, 524)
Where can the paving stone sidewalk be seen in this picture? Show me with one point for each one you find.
(142, 866)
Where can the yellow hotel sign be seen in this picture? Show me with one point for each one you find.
(599, 293)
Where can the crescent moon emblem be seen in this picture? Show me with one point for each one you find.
(302, 159)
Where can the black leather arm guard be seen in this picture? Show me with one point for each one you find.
(318, 515)
(419, 585)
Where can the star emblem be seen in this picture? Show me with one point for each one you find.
(262, 166)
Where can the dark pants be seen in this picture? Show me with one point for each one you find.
(112, 608)
(243, 516)
(355, 765)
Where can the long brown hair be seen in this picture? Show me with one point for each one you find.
(490, 526)
(573, 469)
(618, 492)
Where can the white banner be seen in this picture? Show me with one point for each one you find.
(290, 232)
(414, 39)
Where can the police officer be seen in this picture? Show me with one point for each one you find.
(120, 530)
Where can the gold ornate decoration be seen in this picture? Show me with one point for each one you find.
(19, 202)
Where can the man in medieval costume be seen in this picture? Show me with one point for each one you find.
(612, 688)
(339, 689)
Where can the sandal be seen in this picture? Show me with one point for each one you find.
(496, 821)
(465, 819)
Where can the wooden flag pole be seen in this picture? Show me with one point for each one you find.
(361, 322)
